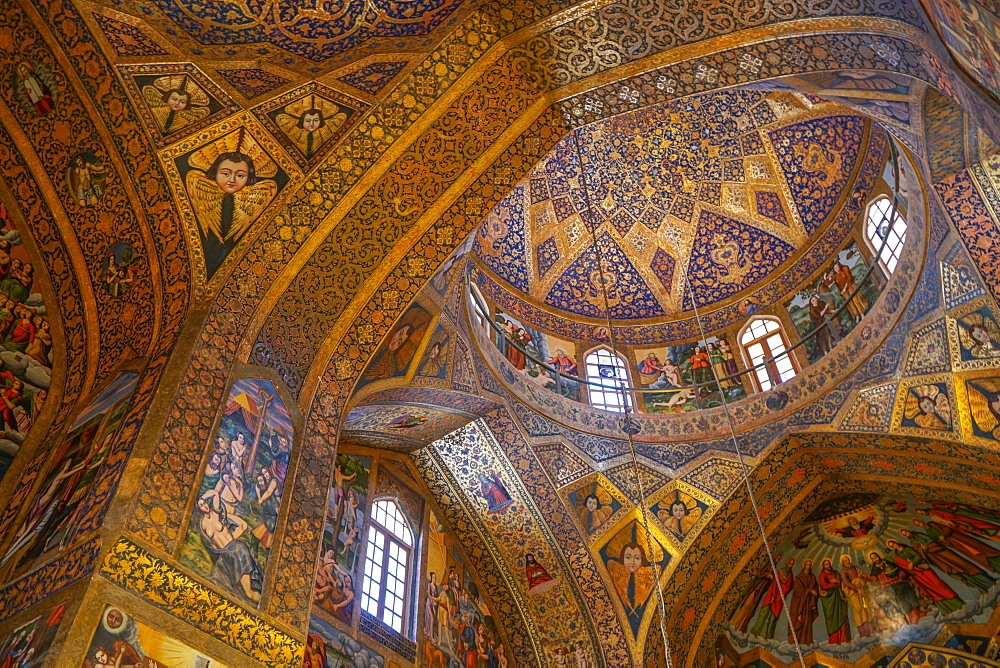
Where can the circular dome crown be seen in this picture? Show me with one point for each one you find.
(692, 203)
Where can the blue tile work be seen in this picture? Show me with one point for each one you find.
(253, 82)
(315, 34)
(663, 267)
(500, 242)
(127, 39)
(769, 204)
(546, 255)
(579, 288)
(374, 77)
(729, 256)
(817, 157)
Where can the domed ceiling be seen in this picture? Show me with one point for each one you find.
(724, 189)
(306, 34)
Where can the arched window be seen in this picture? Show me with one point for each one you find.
(604, 367)
(763, 339)
(885, 223)
(387, 565)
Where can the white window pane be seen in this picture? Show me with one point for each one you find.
(776, 344)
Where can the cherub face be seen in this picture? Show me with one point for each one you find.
(926, 405)
(632, 559)
(979, 334)
(592, 503)
(231, 176)
(678, 510)
(311, 122)
(178, 101)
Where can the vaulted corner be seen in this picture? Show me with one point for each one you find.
(489, 334)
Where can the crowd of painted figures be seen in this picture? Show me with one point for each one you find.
(25, 336)
(455, 623)
(915, 574)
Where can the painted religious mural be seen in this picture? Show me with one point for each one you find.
(49, 526)
(235, 512)
(35, 87)
(326, 647)
(813, 310)
(28, 645)
(336, 586)
(122, 641)
(397, 352)
(865, 570)
(971, 30)
(26, 340)
(457, 626)
(689, 376)
(521, 344)
(975, 334)
(309, 120)
(228, 182)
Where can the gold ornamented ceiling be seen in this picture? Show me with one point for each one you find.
(688, 203)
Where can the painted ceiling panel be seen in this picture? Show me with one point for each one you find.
(752, 188)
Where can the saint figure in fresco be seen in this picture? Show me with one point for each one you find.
(894, 593)
(802, 607)
(397, 351)
(774, 602)
(753, 595)
(34, 85)
(683, 515)
(234, 566)
(962, 542)
(979, 335)
(819, 311)
(834, 604)
(854, 583)
(854, 528)
(538, 578)
(123, 656)
(229, 185)
(927, 581)
(315, 654)
(86, 179)
(492, 489)
(928, 407)
(844, 279)
(310, 122)
(176, 102)
(938, 555)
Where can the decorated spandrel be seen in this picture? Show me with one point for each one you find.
(634, 557)
(122, 641)
(229, 182)
(336, 573)
(232, 524)
(51, 521)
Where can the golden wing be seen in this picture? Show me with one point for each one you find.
(985, 418)
(991, 327)
(206, 199)
(943, 407)
(602, 495)
(250, 203)
(967, 323)
(911, 408)
(966, 339)
(288, 124)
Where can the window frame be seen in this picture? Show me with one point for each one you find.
(775, 376)
(376, 528)
(629, 401)
(874, 242)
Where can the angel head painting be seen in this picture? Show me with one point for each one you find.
(679, 513)
(176, 102)
(596, 507)
(979, 335)
(984, 403)
(927, 407)
(230, 183)
(34, 87)
(310, 122)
